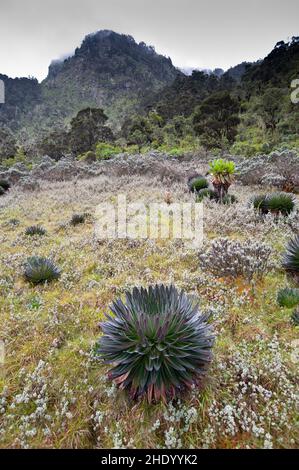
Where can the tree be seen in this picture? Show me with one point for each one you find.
(138, 138)
(55, 144)
(8, 145)
(270, 106)
(216, 120)
(88, 128)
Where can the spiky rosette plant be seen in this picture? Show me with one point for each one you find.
(205, 193)
(78, 219)
(158, 342)
(295, 317)
(288, 297)
(199, 183)
(259, 203)
(39, 269)
(291, 258)
(279, 203)
(35, 230)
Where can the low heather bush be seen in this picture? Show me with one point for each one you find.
(232, 258)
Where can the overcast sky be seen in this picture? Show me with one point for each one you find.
(194, 33)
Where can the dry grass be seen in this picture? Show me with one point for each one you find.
(55, 394)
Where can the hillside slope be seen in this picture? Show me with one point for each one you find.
(109, 70)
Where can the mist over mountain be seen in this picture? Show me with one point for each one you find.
(109, 70)
(113, 72)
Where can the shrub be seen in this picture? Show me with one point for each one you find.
(233, 258)
(259, 203)
(205, 193)
(276, 203)
(14, 222)
(280, 203)
(198, 184)
(88, 157)
(229, 199)
(2, 191)
(291, 258)
(4, 184)
(35, 230)
(105, 151)
(39, 269)
(158, 342)
(288, 298)
(295, 317)
(78, 219)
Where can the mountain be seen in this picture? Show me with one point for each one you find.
(109, 70)
(22, 95)
(185, 93)
(128, 80)
(279, 68)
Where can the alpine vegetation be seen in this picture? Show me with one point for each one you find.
(279, 203)
(232, 258)
(78, 219)
(291, 258)
(4, 185)
(295, 317)
(159, 343)
(222, 172)
(205, 193)
(198, 184)
(35, 230)
(39, 269)
(288, 297)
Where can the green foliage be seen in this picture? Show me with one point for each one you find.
(158, 342)
(35, 230)
(175, 152)
(223, 172)
(104, 151)
(199, 183)
(288, 297)
(88, 128)
(89, 157)
(222, 169)
(39, 270)
(205, 193)
(229, 199)
(291, 257)
(8, 145)
(55, 144)
(276, 203)
(216, 120)
(34, 303)
(295, 317)
(184, 94)
(2, 191)
(280, 203)
(259, 203)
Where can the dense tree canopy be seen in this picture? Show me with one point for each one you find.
(216, 120)
(88, 128)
